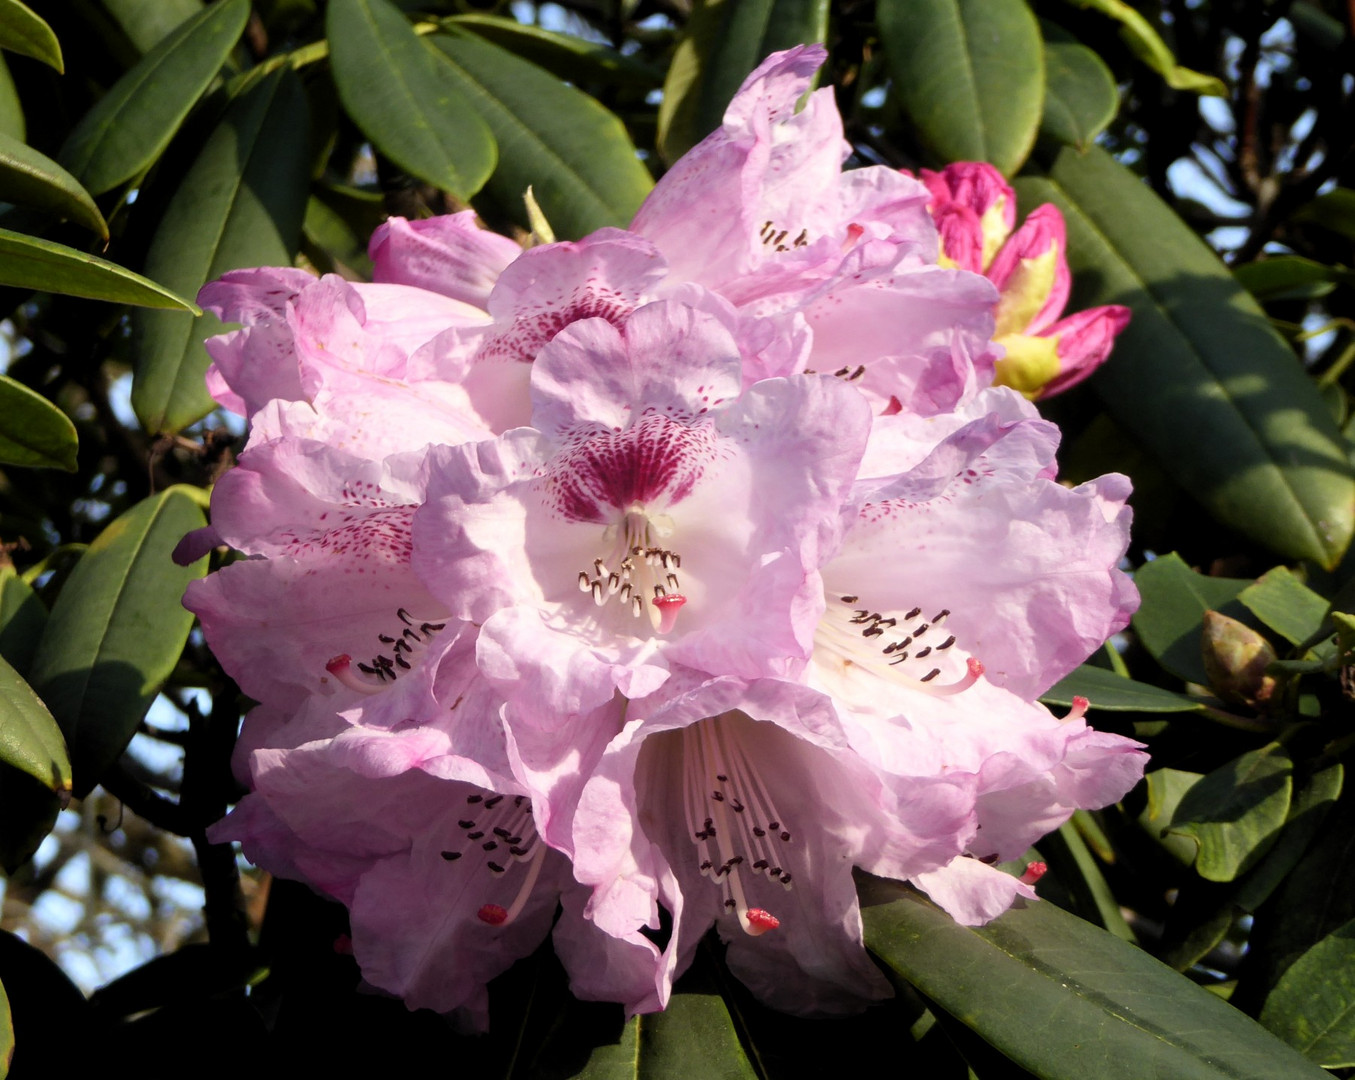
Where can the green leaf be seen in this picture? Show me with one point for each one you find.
(1285, 604)
(40, 265)
(1166, 789)
(693, 1037)
(724, 41)
(117, 631)
(1312, 1007)
(1199, 376)
(403, 100)
(11, 109)
(1081, 97)
(1171, 614)
(146, 25)
(1313, 800)
(1235, 813)
(970, 75)
(6, 1034)
(1065, 1000)
(1290, 277)
(32, 179)
(33, 431)
(574, 154)
(565, 56)
(1114, 693)
(1077, 871)
(1145, 43)
(21, 31)
(22, 617)
(29, 737)
(1334, 210)
(240, 204)
(130, 126)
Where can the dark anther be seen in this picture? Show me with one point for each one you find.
(922, 629)
(495, 867)
(924, 652)
(404, 616)
(501, 833)
(467, 824)
(722, 778)
(759, 832)
(475, 835)
(761, 864)
(730, 904)
(385, 639)
(706, 864)
(914, 613)
(493, 802)
(848, 599)
(490, 845)
(940, 614)
(931, 674)
(947, 643)
(475, 798)
(718, 796)
(518, 851)
(451, 856)
(773, 825)
(785, 836)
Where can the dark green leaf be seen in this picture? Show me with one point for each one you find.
(724, 41)
(693, 1037)
(1235, 813)
(1077, 871)
(403, 100)
(130, 126)
(11, 110)
(1285, 604)
(1114, 693)
(40, 265)
(29, 737)
(969, 73)
(117, 630)
(1080, 98)
(1169, 619)
(6, 1033)
(563, 55)
(1289, 277)
(1149, 47)
(1166, 789)
(575, 155)
(1067, 1001)
(22, 617)
(1313, 799)
(33, 431)
(28, 178)
(1199, 376)
(146, 25)
(21, 31)
(1334, 210)
(241, 204)
(1312, 1007)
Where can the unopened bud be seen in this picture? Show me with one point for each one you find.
(1236, 658)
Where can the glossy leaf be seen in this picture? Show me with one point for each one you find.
(1285, 604)
(1080, 97)
(117, 630)
(33, 431)
(6, 1034)
(403, 100)
(29, 737)
(130, 126)
(1065, 1000)
(1313, 800)
(694, 1036)
(1148, 46)
(724, 41)
(573, 153)
(40, 265)
(22, 617)
(12, 121)
(1114, 693)
(1166, 789)
(28, 178)
(970, 75)
(1334, 210)
(23, 32)
(1199, 376)
(573, 59)
(1235, 813)
(146, 25)
(1169, 619)
(1313, 1005)
(240, 204)
(1290, 277)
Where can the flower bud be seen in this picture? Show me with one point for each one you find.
(1236, 658)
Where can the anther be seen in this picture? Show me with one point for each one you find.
(451, 856)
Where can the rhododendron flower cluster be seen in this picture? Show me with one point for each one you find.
(975, 211)
(657, 578)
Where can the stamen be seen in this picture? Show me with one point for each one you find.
(370, 678)
(1079, 709)
(341, 667)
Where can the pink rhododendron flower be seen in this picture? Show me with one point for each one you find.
(675, 569)
(975, 212)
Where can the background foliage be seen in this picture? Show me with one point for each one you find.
(1204, 928)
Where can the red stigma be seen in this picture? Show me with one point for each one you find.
(975, 667)
(1034, 871)
(759, 921)
(493, 914)
(668, 607)
(338, 663)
